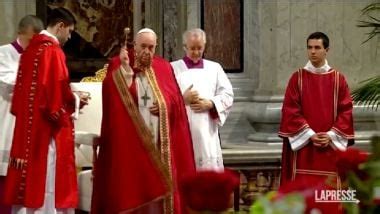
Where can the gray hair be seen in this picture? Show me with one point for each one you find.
(196, 32)
(30, 21)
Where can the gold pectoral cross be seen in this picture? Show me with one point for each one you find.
(145, 98)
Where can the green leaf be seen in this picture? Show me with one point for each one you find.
(371, 7)
(368, 93)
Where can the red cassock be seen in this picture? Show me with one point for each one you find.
(131, 171)
(321, 102)
(42, 89)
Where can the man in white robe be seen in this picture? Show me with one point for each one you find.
(208, 96)
(9, 61)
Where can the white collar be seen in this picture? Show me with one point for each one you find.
(45, 32)
(310, 67)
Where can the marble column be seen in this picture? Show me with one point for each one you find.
(11, 13)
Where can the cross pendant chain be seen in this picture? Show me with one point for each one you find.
(145, 87)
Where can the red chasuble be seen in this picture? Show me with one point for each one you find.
(42, 89)
(131, 171)
(321, 102)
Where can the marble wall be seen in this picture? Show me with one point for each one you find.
(275, 35)
(11, 12)
(284, 27)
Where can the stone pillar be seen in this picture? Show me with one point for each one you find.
(153, 14)
(171, 27)
(11, 13)
(137, 15)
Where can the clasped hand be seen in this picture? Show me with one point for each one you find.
(154, 109)
(84, 97)
(321, 139)
(197, 104)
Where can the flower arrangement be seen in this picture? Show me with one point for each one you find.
(358, 170)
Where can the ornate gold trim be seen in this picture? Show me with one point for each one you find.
(142, 130)
(288, 134)
(294, 165)
(300, 82)
(322, 173)
(336, 93)
(322, 73)
(22, 163)
(99, 76)
(341, 133)
(316, 172)
(164, 131)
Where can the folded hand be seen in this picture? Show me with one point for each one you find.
(321, 139)
(201, 105)
(154, 109)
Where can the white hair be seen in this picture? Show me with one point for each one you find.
(195, 32)
(146, 30)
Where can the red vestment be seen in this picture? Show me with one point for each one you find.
(130, 171)
(321, 102)
(42, 89)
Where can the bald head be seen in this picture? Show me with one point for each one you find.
(27, 27)
(30, 22)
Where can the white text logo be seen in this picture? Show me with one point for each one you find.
(331, 196)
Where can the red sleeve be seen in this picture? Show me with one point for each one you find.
(57, 94)
(343, 124)
(292, 119)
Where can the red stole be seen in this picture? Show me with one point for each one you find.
(136, 172)
(321, 102)
(42, 88)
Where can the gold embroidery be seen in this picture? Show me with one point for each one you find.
(294, 167)
(20, 163)
(142, 129)
(99, 76)
(321, 173)
(300, 82)
(343, 134)
(290, 134)
(164, 131)
(336, 89)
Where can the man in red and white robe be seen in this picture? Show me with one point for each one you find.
(41, 174)
(145, 147)
(316, 118)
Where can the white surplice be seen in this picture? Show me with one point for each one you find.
(145, 99)
(211, 83)
(9, 60)
(144, 102)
